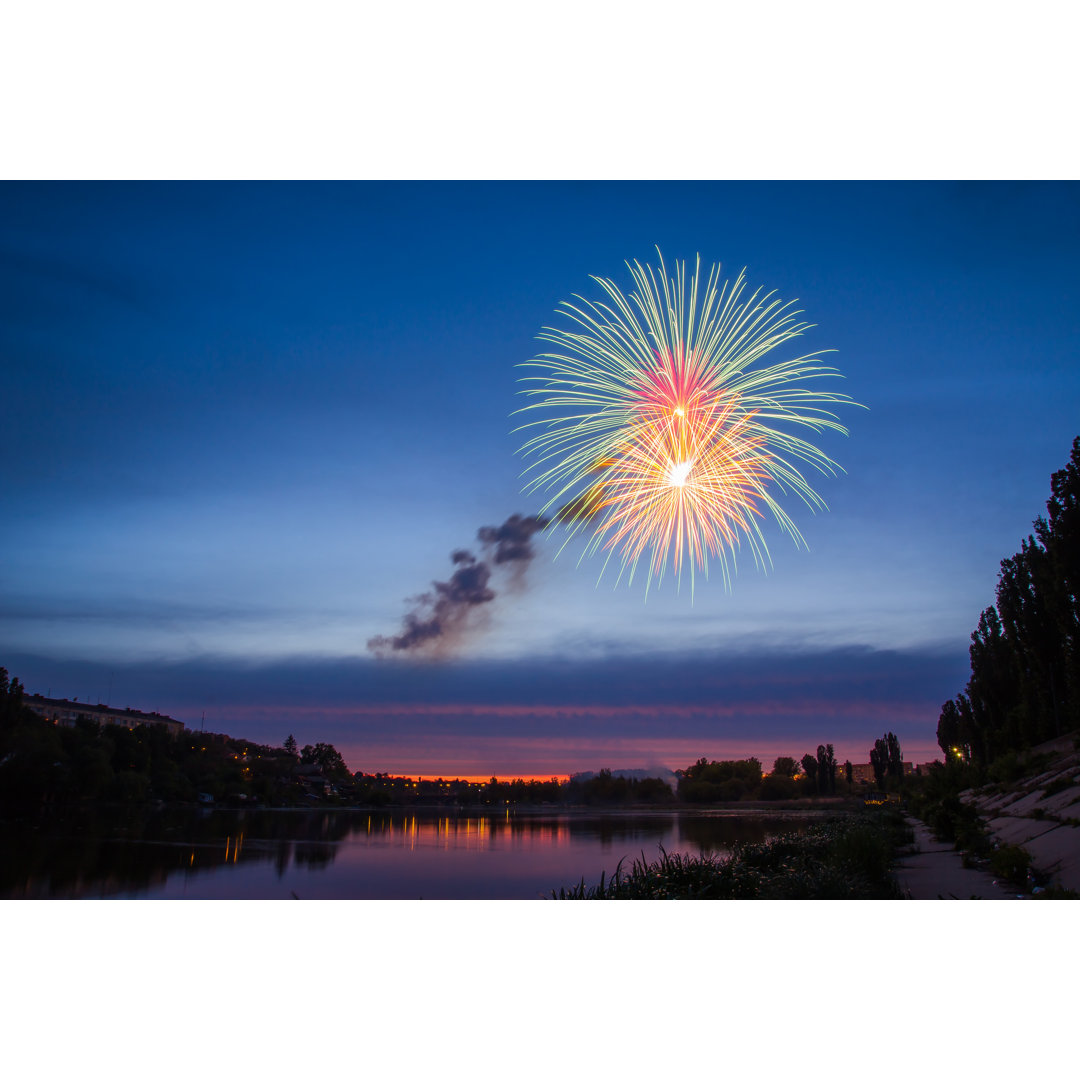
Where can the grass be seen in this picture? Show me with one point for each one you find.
(848, 858)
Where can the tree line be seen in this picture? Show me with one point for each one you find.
(41, 762)
(46, 763)
(1025, 660)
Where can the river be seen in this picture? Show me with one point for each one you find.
(353, 854)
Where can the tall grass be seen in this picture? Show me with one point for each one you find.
(847, 858)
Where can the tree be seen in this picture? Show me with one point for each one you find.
(887, 759)
(951, 736)
(1025, 653)
(847, 773)
(290, 746)
(895, 759)
(330, 762)
(11, 698)
(786, 766)
(809, 764)
(879, 761)
(826, 770)
(719, 781)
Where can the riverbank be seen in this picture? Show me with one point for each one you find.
(1039, 814)
(848, 856)
(1019, 823)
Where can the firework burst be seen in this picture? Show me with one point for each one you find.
(668, 430)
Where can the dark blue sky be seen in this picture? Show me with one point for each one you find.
(245, 422)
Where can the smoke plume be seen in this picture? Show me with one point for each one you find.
(443, 616)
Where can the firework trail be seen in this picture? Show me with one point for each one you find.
(666, 427)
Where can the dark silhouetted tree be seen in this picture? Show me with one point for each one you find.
(879, 761)
(895, 759)
(329, 761)
(1025, 653)
(951, 736)
(11, 698)
(886, 759)
(719, 781)
(826, 769)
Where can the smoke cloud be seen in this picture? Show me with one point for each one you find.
(441, 618)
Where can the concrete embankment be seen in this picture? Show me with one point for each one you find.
(1041, 814)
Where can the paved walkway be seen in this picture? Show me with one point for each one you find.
(935, 871)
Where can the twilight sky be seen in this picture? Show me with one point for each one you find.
(243, 423)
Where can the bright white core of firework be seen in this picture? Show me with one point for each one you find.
(678, 473)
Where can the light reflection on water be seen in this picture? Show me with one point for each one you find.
(342, 854)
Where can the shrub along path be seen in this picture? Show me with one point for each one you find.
(934, 870)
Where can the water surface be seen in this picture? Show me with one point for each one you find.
(352, 854)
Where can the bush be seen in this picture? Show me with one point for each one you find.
(1011, 862)
(956, 822)
(1005, 769)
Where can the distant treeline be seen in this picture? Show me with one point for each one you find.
(41, 762)
(1025, 655)
(45, 763)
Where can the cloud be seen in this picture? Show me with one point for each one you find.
(617, 711)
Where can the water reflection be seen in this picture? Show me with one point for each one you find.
(348, 854)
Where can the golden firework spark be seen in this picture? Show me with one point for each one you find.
(668, 427)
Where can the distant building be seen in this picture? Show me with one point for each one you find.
(860, 774)
(65, 713)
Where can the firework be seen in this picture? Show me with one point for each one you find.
(663, 425)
